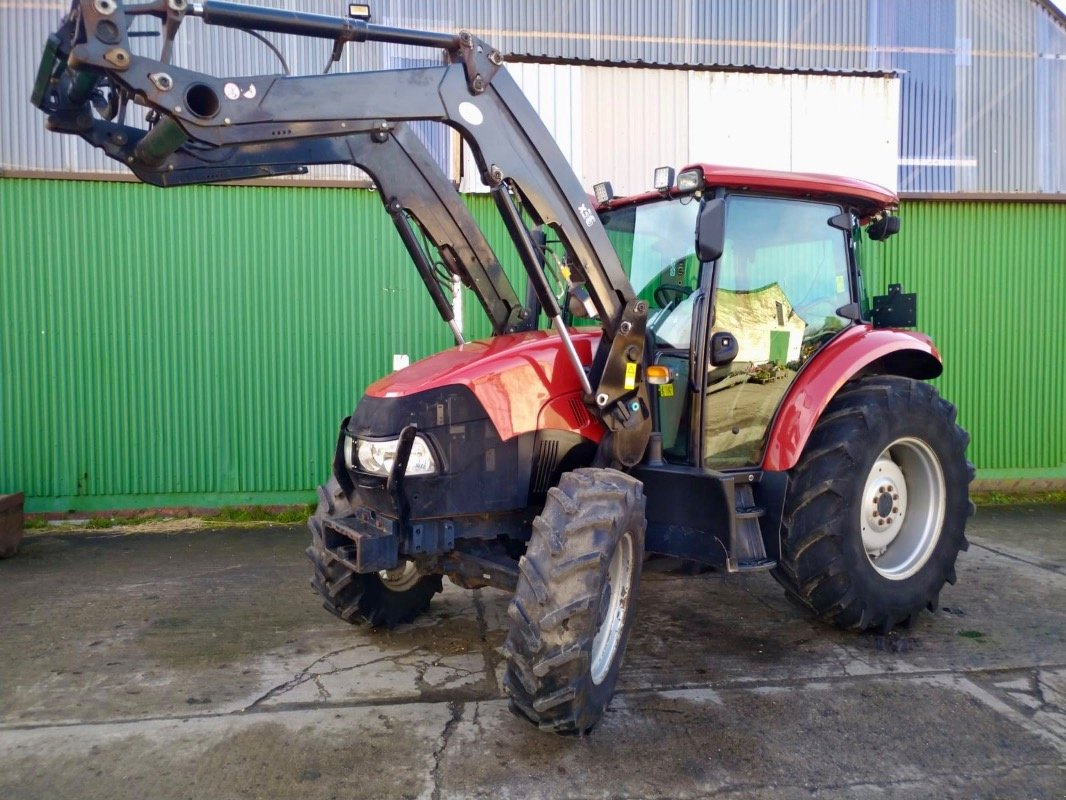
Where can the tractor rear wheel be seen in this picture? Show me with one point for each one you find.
(877, 506)
(385, 599)
(576, 597)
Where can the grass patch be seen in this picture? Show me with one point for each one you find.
(1018, 498)
(975, 635)
(245, 514)
(233, 516)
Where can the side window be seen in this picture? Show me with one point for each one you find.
(781, 277)
(655, 243)
(783, 253)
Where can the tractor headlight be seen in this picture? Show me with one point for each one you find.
(377, 458)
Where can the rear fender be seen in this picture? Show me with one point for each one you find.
(859, 350)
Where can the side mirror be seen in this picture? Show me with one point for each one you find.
(724, 348)
(883, 228)
(710, 230)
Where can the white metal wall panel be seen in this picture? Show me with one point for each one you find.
(805, 123)
(846, 126)
(741, 120)
(619, 124)
(636, 120)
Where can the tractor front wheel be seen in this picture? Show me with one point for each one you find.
(877, 505)
(576, 597)
(384, 599)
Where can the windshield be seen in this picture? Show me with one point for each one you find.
(656, 243)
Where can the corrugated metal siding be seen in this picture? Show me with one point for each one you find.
(644, 113)
(982, 80)
(211, 347)
(991, 292)
(675, 117)
(804, 123)
(213, 359)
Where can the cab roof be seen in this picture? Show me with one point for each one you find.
(867, 199)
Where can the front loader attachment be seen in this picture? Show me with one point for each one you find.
(205, 128)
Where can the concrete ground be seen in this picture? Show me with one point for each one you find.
(199, 665)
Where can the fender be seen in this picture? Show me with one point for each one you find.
(858, 349)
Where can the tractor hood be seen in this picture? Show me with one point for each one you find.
(523, 381)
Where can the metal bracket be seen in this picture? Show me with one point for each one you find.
(480, 61)
(399, 472)
(622, 394)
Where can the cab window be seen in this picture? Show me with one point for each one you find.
(781, 278)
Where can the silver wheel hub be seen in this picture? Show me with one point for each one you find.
(902, 508)
(884, 505)
(617, 595)
(401, 577)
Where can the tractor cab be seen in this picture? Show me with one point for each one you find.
(777, 281)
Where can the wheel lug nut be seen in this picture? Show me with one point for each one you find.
(895, 510)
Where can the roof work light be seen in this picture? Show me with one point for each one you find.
(604, 192)
(690, 180)
(664, 178)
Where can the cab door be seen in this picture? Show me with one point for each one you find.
(783, 273)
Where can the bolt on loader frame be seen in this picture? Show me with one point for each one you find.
(534, 461)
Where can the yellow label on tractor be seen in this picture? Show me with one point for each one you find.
(666, 390)
(631, 376)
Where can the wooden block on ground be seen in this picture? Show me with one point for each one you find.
(11, 524)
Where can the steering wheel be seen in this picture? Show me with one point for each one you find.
(670, 293)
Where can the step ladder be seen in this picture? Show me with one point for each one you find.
(747, 551)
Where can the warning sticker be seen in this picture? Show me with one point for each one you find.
(840, 284)
(666, 390)
(631, 376)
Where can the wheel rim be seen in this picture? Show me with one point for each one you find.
(401, 578)
(903, 506)
(619, 584)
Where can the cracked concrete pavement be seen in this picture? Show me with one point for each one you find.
(199, 665)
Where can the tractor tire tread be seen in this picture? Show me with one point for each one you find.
(554, 610)
(817, 568)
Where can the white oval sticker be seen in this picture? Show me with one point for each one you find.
(471, 113)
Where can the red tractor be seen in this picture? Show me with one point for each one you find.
(693, 372)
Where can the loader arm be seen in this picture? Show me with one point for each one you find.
(206, 128)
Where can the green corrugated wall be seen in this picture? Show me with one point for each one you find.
(199, 346)
(991, 285)
(196, 346)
